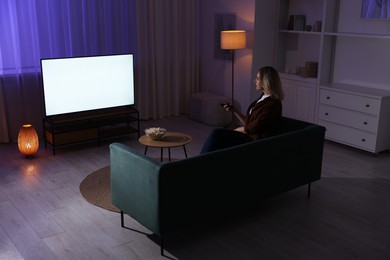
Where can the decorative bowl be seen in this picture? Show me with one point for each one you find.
(155, 133)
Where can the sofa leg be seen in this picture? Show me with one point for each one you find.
(161, 239)
(122, 220)
(308, 190)
(161, 246)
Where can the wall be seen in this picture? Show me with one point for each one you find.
(265, 29)
(216, 73)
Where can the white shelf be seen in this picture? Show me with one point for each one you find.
(360, 35)
(300, 32)
(363, 90)
(297, 77)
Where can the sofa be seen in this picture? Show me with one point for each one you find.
(166, 197)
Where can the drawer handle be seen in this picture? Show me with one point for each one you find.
(327, 97)
(326, 113)
(363, 140)
(368, 105)
(364, 123)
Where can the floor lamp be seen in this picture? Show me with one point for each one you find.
(233, 40)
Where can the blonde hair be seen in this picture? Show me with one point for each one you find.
(269, 78)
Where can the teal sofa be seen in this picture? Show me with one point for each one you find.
(167, 197)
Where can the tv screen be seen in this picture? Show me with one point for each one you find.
(87, 83)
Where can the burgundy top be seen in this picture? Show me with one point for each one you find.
(264, 118)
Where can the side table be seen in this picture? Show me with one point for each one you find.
(170, 140)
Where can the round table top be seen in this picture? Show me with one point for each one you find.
(171, 139)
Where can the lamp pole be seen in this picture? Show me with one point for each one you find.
(232, 84)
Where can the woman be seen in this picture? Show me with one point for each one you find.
(261, 119)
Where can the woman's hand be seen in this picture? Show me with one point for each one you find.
(240, 129)
(228, 107)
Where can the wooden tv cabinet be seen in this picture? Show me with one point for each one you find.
(87, 126)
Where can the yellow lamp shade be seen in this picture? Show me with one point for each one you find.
(233, 39)
(28, 142)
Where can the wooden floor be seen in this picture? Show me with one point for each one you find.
(44, 216)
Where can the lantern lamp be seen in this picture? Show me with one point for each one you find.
(28, 142)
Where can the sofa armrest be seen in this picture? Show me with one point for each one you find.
(134, 185)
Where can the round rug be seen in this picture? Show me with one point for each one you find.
(95, 188)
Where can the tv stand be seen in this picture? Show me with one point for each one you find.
(66, 129)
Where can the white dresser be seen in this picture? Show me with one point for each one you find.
(356, 116)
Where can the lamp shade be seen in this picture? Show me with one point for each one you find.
(28, 142)
(233, 39)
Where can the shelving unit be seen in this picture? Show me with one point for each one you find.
(344, 35)
(96, 125)
(294, 49)
(357, 73)
(350, 51)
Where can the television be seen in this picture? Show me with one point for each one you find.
(76, 84)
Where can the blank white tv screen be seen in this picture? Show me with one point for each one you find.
(87, 83)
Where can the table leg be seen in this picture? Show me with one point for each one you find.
(169, 153)
(146, 149)
(185, 151)
(161, 156)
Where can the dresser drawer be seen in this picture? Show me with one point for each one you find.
(349, 136)
(350, 101)
(348, 118)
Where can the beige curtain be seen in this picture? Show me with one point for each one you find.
(4, 138)
(168, 60)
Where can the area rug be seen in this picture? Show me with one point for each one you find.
(95, 188)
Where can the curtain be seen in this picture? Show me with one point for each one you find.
(4, 138)
(168, 56)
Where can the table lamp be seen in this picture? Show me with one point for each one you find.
(28, 142)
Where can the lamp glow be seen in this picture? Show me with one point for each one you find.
(28, 142)
(233, 39)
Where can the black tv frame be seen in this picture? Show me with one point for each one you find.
(107, 92)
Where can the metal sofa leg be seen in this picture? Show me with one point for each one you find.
(161, 239)
(161, 246)
(122, 219)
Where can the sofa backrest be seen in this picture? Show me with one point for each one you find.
(289, 124)
(235, 178)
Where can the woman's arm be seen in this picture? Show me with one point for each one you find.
(238, 114)
(264, 118)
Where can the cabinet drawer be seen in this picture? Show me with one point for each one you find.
(348, 118)
(350, 101)
(349, 136)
